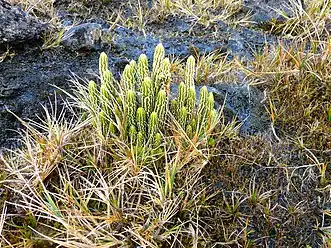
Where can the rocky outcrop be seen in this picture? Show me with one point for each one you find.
(26, 80)
(16, 26)
(27, 83)
(239, 102)
(86, 36)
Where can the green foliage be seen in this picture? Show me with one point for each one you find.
(147, 95)
(166, 75)
(112, 128)
(104, 122)
(157, 140)
(191, 99)
(103, 63)
(213, 118)
(140, 140)
(193, 124)
(129, 76)
(107, 79)
(132, 133)
(203, 109)
(182, 90)
(93, 94)
(105, 95)
(174, 107)
(189, 72)
(141, 120)
(160, 105)
(153, 125)
(157, 66)
(183, 107)
(143, 71)
(135, 109)
(130, 107)
(182, 118)
(210, 101)
(189, 131)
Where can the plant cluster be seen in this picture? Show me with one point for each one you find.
(90, 179)
(305, 19)
(138, 108)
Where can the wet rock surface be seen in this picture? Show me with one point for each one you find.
(130, 44)
(239, 102)
(26, 80)
(245, 104)
(264, 11)
(17, 26)
(220, 37)
(246, 43)
(26, 83)
(87, 36)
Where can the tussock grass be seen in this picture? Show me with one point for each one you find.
(80, 187)
(211, 68)
(66, 187)
(44, 9)
(79, 197)
(306, 20)
(204, 12)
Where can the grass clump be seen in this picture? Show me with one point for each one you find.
(306, 19)
(123, 171)
(204, 12)
(114, 176)
(136, 109)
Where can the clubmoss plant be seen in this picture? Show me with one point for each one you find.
(160, 105)
(157, 66)
(147, 95)
(133, 133)
(136, 108)
(129, 75)
(93, 93)
(182, 89)
(190, 102)
(107, 79)
(203, 109)
(141, 120)
(103, 63)
(130, 108)
(183, 108)
(153, 125)
(189, 71)
(157, 140)
(143, 71)
(182, 117)
(76, 183)
(166, 76)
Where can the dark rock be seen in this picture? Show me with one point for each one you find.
(263, 11)
(130, 44)
(245, 103)
(246, 43)
(65, 18)
(16, 26)
(26, 84)
(173, 33)
(87, 36)
(26, 80)
(241, 102)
